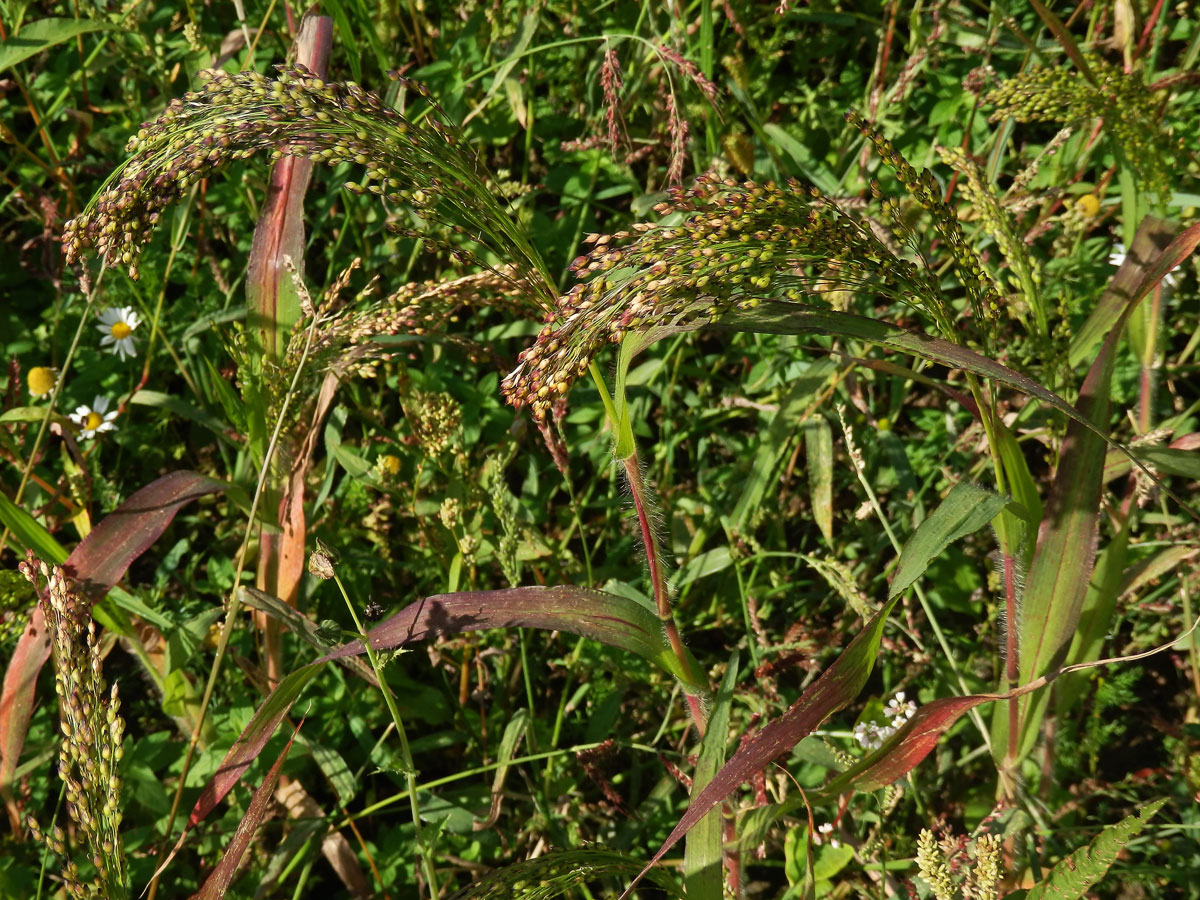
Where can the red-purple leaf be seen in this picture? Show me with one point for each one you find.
(218, 882)
(16, 705)
(1066, 545)
(245, 750)
(609, 618)
(904, 749)
(102, 558)
(98, 562)
(837, 686)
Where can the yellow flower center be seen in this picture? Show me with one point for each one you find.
(120, 331)
(40, 381)
(94, 421)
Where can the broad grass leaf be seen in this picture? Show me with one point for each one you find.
(103, 557)
(614, 620)
(1072, 877)
(43, 34)
(245, 750)
(702, 851)
(1095, 618)
(837, 686)
(301, 626)
(1152, 237)
(559, 874)
(966, 509)
(1062, 561)
(218, 881)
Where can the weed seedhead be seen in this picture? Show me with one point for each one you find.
(422, 165)
(981, 292)
(738, 244)
(1129, 108)
(92, 730)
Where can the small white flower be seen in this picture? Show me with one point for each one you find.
(871, 735)
(823, 831)
(94, 419)
(117, 325)
(900, 710)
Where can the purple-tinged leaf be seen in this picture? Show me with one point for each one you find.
(245, 750)
(837, 686)
(103, 557)
(16, 706)
(1152, 237)
(609, 618)
(218, 881)
(1066, 547)
(903, 750)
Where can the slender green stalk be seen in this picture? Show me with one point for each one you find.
(406, 757)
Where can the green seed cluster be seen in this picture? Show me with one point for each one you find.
(92, 731)
(998, 223)
(737, 244)
(422, 165)
(1129, 109)
(977, 283)
(434, 418)
(931, 864)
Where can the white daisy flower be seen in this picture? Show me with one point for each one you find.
(94, 419)
(117, 325)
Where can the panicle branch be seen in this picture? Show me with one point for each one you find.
(92, 731)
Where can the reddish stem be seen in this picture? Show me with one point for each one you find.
(662, 599)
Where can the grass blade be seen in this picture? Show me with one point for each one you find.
(966, 509)
(611, 619)
(244, 751)
(702, 852)
(218, 881)
(836, 687)
(103, 557)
